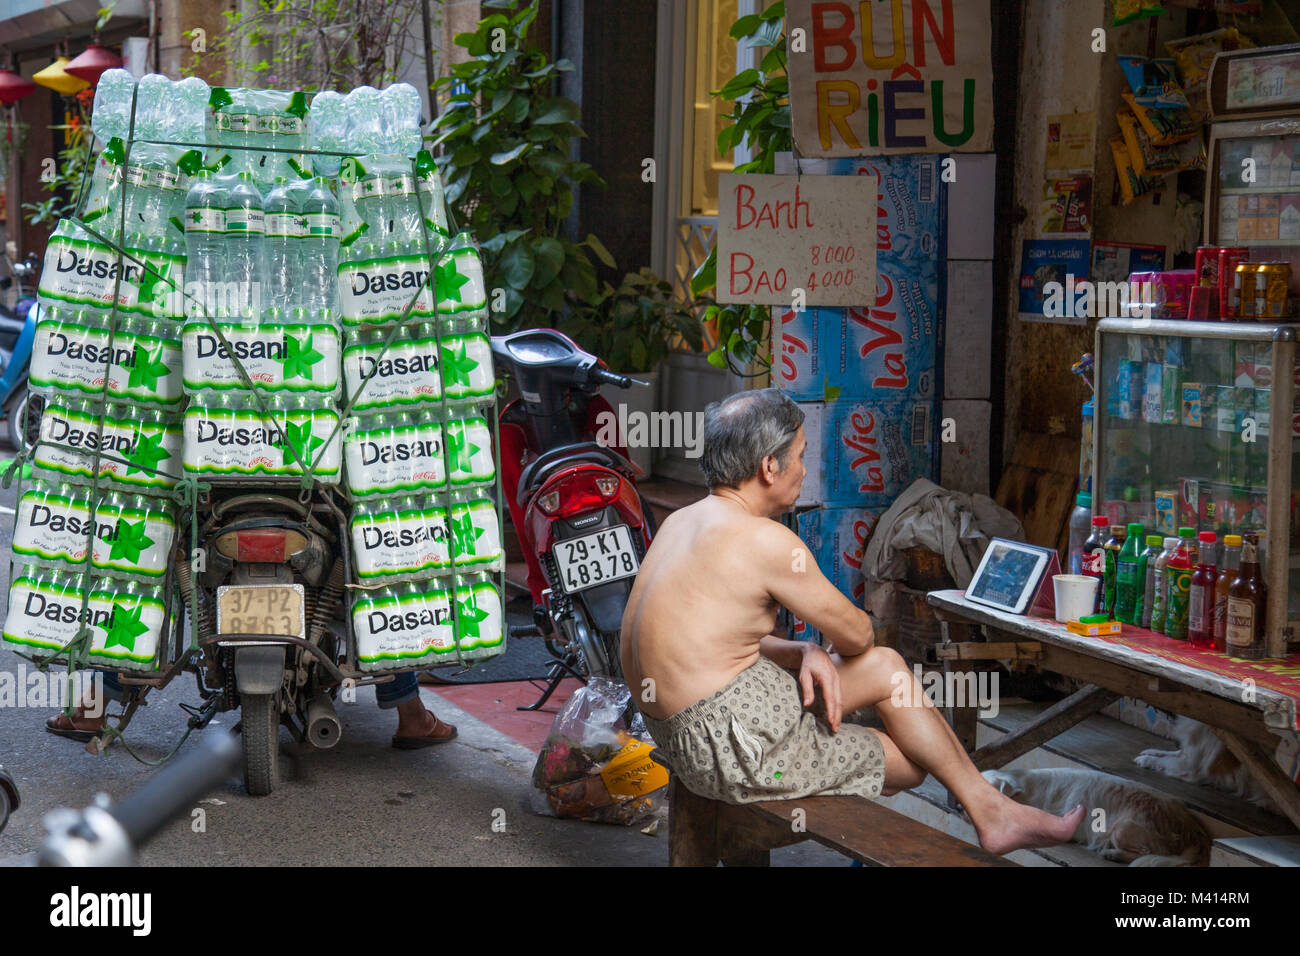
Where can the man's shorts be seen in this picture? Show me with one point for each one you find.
(753, 741)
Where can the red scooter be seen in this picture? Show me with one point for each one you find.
(583, 524)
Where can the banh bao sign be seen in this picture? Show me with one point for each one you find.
(791, 240)
(891, 76)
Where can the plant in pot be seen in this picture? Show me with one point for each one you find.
(633, 328)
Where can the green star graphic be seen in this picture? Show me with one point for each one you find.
(124, 627)
(465, 533)
(447, 281)
(146, 369)
(302, 440)
(469, 614)
(462, 449)
(299, 357)
(147, 454)
(129, 541)
(456, 365)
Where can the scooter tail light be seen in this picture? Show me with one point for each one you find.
(607, 485)
(549, 502)
(261, 545)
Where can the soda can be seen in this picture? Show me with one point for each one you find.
(1272, 282)
(1207, 266)
(1243, 290)
(1229, 258)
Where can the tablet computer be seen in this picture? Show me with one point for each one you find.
(1009, 575)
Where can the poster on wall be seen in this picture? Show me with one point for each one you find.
(811, 237)
(1070, 141)
(1053, 273)
(1116, 261)
(1066, 206)
(891, 76)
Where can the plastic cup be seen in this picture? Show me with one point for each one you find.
(1076, 595)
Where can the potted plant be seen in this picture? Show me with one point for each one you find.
(633, 327)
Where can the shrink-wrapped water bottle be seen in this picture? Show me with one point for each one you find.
(284, 233)
(205, 244)
(327, 129)
(320, 249)
(245, 256)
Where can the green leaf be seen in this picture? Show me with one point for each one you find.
(601, 252)
(745, 26)
(773, 60)
(766, 35)
(739, 84)
(510, 155)
(718, 358)
(517, 266)
(548, 254)
(706, 276)
(466, 156)
(774, 11)
(558, 110)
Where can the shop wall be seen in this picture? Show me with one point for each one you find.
(1060, 73)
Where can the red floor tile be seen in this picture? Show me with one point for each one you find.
(495, 704)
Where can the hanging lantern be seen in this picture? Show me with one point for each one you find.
(92, 62)
(58, 79)
(14, 87)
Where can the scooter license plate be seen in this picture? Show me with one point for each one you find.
(596, 558)
(272, 609)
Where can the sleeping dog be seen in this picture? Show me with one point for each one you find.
(1124, 822)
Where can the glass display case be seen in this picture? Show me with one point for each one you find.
(1197, 426)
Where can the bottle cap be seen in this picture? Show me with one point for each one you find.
(1232, 540)
(1135, 530)
(1117, 531)
(1171, 543)
(1186, 532)
(1084, 500)
(1154, 540)
(1100, 521)
(1207, 537)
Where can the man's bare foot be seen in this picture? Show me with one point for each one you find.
(1006, 825)
(79, 726)
(418, 728)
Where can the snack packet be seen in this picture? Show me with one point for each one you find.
(1194, 55)
(1131, 185)
(1153, 161)
(1165, 127)
(1126, 11)
(1154, 83)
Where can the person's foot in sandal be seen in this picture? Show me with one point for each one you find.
(85, 723)
(417, 727)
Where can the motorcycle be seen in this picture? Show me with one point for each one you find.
(17, 336)
(583, 525)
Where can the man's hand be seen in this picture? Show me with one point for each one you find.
(817, 670)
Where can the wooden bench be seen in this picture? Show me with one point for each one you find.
(702, 832)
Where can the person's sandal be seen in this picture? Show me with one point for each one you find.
(62, 726)
(431, 739)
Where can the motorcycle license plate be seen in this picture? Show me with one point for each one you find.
(596, 558)
(261, 609)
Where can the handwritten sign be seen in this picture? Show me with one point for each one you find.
(891, 76)
(781, 234)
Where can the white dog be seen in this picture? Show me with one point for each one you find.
(1201, 757)
(1124, 822)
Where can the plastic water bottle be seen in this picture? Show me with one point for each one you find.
(205, 243)
(400, 113)
(403, 209)
(320, 249)
(245, 231)
(188, 109)
(432, 205)
(151, 107)
(1080, 528)
(365, 107)
(327, 129)
(283, 237)
(112, 110)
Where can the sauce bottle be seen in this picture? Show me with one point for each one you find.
(1179, 577)
(1160, 600)
(1128, 582)
(1112, 549)
(1247, 599)
(1227, 574)
(1147, 573)
(1092, 560)
(1200, 612)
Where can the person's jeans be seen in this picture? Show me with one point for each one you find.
(398, 691)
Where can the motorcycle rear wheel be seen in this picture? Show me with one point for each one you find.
(23, 404)
(260, 715)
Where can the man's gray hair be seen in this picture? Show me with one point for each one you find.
(742, 429)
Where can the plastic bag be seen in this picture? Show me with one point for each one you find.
(595, 768)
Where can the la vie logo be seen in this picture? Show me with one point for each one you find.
(861, 438)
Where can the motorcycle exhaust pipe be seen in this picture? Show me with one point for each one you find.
(323, 727)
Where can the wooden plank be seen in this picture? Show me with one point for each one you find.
(876, 835)
(1262, 767)
(989, 650)
(1060, 717)
(692, 827)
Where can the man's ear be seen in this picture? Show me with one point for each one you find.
(770, 469)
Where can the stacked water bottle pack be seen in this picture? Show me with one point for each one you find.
(418, 449)
(94, 531)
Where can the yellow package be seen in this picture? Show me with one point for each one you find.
(1126, 11)
(1165, 127)
(1131, 185)
(1194, 55)
(1151, 160)
(632, 772)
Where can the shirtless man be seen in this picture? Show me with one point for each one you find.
(719, 692)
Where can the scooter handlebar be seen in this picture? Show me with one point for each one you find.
(174, 788)
(602, 377)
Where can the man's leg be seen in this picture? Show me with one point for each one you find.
(416, 725)
(917, 739)
(89, 716)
